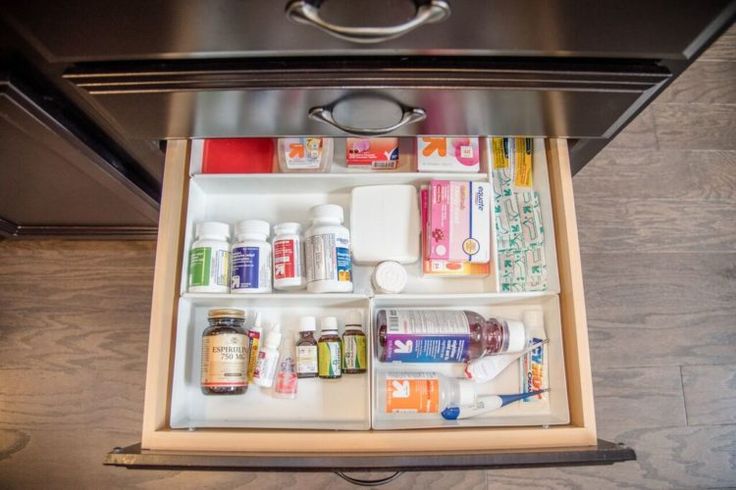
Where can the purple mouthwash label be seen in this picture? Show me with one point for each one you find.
(426, 336)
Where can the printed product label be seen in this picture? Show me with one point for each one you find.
(500, 153)
(265, 367)
(427, 336)
(287, 262)
(412, 393)
(251, 268)
(329, 359)
(208, 267)
(306, 359)
(303, 153)
(224, 360)
(328, 257)
(523, 163)
(532, 371)
(255, 343)
(353, 352)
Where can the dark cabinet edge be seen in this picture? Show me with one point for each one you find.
(8, 229)
(133, 457)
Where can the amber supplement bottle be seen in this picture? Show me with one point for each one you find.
(330, 350)
(225, 353)
(306, 348)
(354, 352)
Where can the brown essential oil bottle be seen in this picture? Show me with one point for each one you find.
(225, 347)
(306, 348)
(354, 351)
(330, 350)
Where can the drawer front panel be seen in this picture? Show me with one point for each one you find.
(385, 96)
(192, 28)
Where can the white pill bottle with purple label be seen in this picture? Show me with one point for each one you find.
(251, 258)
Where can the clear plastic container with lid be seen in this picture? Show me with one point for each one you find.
(327, 251)
(288, 257)
(225, 346)
(209, 258)
(251, 258)
(305, 154)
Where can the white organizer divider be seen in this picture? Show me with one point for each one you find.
(341, 404)
(552, 411)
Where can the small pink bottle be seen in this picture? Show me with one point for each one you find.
(286, 378)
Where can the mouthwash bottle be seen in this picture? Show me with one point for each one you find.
(444, 335)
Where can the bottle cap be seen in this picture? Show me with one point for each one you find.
(354, 320)
(253, 227)
(517, 336)
(226, 313)
(287, 229)
(213, 229)
(327, 212)
(307, 324)
(389, 277)
(467, 393)
(273, 339)
(532, 318)
(329, 323)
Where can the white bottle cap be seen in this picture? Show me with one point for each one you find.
(354, 319)
(289, 228)
(389, 277)
(329, 323)
(213, 229)
(533, 318)
(331, 212)
(517, 336)
(307, 324)
(467, 393)
(254, 227)
(273, 339)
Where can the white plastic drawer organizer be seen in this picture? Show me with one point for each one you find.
(344, 414)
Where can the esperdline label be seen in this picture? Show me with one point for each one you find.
(427, 336)
(224, 360)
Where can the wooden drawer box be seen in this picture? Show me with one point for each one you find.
(565, 443)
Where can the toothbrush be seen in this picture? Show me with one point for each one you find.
(486, 404)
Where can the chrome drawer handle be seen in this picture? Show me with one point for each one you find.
(409, 116)
(303, 12)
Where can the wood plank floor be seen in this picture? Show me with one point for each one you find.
(657, 220)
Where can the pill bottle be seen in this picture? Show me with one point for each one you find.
(224, 353)
(305, 154)
(288, 261)
(427, 392)
(209, 258)
(251, 258)
(268, 358)
(306, 348)
(329, 350)
(354, 350)
(444, 335)
(327, 251)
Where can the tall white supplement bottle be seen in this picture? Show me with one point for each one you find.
(209, 258)
(327, 251)
(251, 258)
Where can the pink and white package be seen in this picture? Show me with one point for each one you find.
(440, 154)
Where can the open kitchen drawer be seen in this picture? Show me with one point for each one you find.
(178, 433)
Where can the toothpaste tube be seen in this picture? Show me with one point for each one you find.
(534, 364)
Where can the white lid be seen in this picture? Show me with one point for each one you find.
(253, 227)
(354, 319)
(389, 277)
(288, 228)
(517, 335)
(533, 318)
(213, 229)
(307, 324)
(329, 323)
(327, 212)
(273, 338)
(467, 393)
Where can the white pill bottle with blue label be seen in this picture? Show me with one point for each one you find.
(327, 251)
(251, 258)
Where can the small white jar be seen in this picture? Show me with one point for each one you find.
(327, 251)
(288, 257)
(209, 258)
(251, 258)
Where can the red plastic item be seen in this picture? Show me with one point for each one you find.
(238, 156)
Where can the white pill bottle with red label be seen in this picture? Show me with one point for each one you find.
(288, 257)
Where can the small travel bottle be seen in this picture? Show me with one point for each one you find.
(268, 358)
(330, 351)
(306, 348)
(286, 377)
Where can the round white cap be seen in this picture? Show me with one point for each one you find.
(354, 319)
(307, 324)
(213, 229)
(253, 227)
(289, 228)
(517, 336)
(273, 338)
(389, 277)
(533, 318)
(329, 323)
(467, 393)
(327, 211)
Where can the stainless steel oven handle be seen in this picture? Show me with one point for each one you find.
(409, 116)
(427, 13)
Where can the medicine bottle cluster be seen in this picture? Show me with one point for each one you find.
(320, 260)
